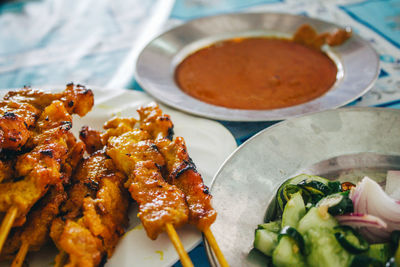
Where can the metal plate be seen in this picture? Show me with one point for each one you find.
(344, 143)
(357, 62)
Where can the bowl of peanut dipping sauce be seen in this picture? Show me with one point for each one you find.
(257, 67)
(259, 73)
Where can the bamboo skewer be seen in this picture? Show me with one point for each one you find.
(60, 259)
(214, 246)
(6, 225)
(173, 236)
(19, 259)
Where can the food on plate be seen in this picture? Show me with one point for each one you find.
(308, 36)
(182, 172)
(259, 73)
(161, 177)
(93, 218)
(320, 222)
(76, 193)
(21, 109)
(39, 156)
(160, 203)
(35, 232)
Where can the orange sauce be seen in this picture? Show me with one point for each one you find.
(256, 73)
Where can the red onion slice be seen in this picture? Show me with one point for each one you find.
(361, 220)
(370, 199)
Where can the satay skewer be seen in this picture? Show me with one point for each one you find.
(19, 259)
(214, 246)
(173, 236)
(35, 232)
(130, 148)
(60, 259)
(136, 155)
(6, 224)
(183, 174)
(40, 167)
(179, 164)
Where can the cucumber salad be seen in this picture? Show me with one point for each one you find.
(326, 223)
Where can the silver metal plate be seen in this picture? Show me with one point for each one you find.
(357, 62)
(344, 143)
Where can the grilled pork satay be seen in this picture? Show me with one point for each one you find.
(35, 231)
(133, 152)
(6, 170)
(159, 202)
(40, 167)
(76, 98)
(182, 173)
(20, 109)
(91, 138)
(181, 170)
(155, 122)
(95, 213)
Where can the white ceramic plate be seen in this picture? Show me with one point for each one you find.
(357, 62)
(343, 144)
(209, 144)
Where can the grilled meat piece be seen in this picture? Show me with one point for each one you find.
(182, 173)
(41, 166)
(93, 218)
(20, 109)
(35, 232)
(159, 202)
(155, 122)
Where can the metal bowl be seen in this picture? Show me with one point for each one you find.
(344, 144)
(357, 62)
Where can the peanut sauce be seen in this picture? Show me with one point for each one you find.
(256, 73)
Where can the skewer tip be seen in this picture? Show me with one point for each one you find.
(173, 236)
(6, 225)
(214, 246)
(19, 259)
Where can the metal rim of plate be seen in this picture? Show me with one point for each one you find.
(357, 61)
(343, 143)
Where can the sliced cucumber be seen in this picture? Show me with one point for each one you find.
(316, 217)
(287, 254)
(265, 241)
(365, 261)
(274, 226)
(350, 240)
(291, 186)
(309, 178)
(335, 187)
(324, 250)
(284, 194)
(380, 252)
(294, 211)
(395, 240)
(315, 187)
(293, 234)
(337, 204)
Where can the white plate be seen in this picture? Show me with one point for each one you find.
(357, 62)
(344, 144)
(209, 144)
